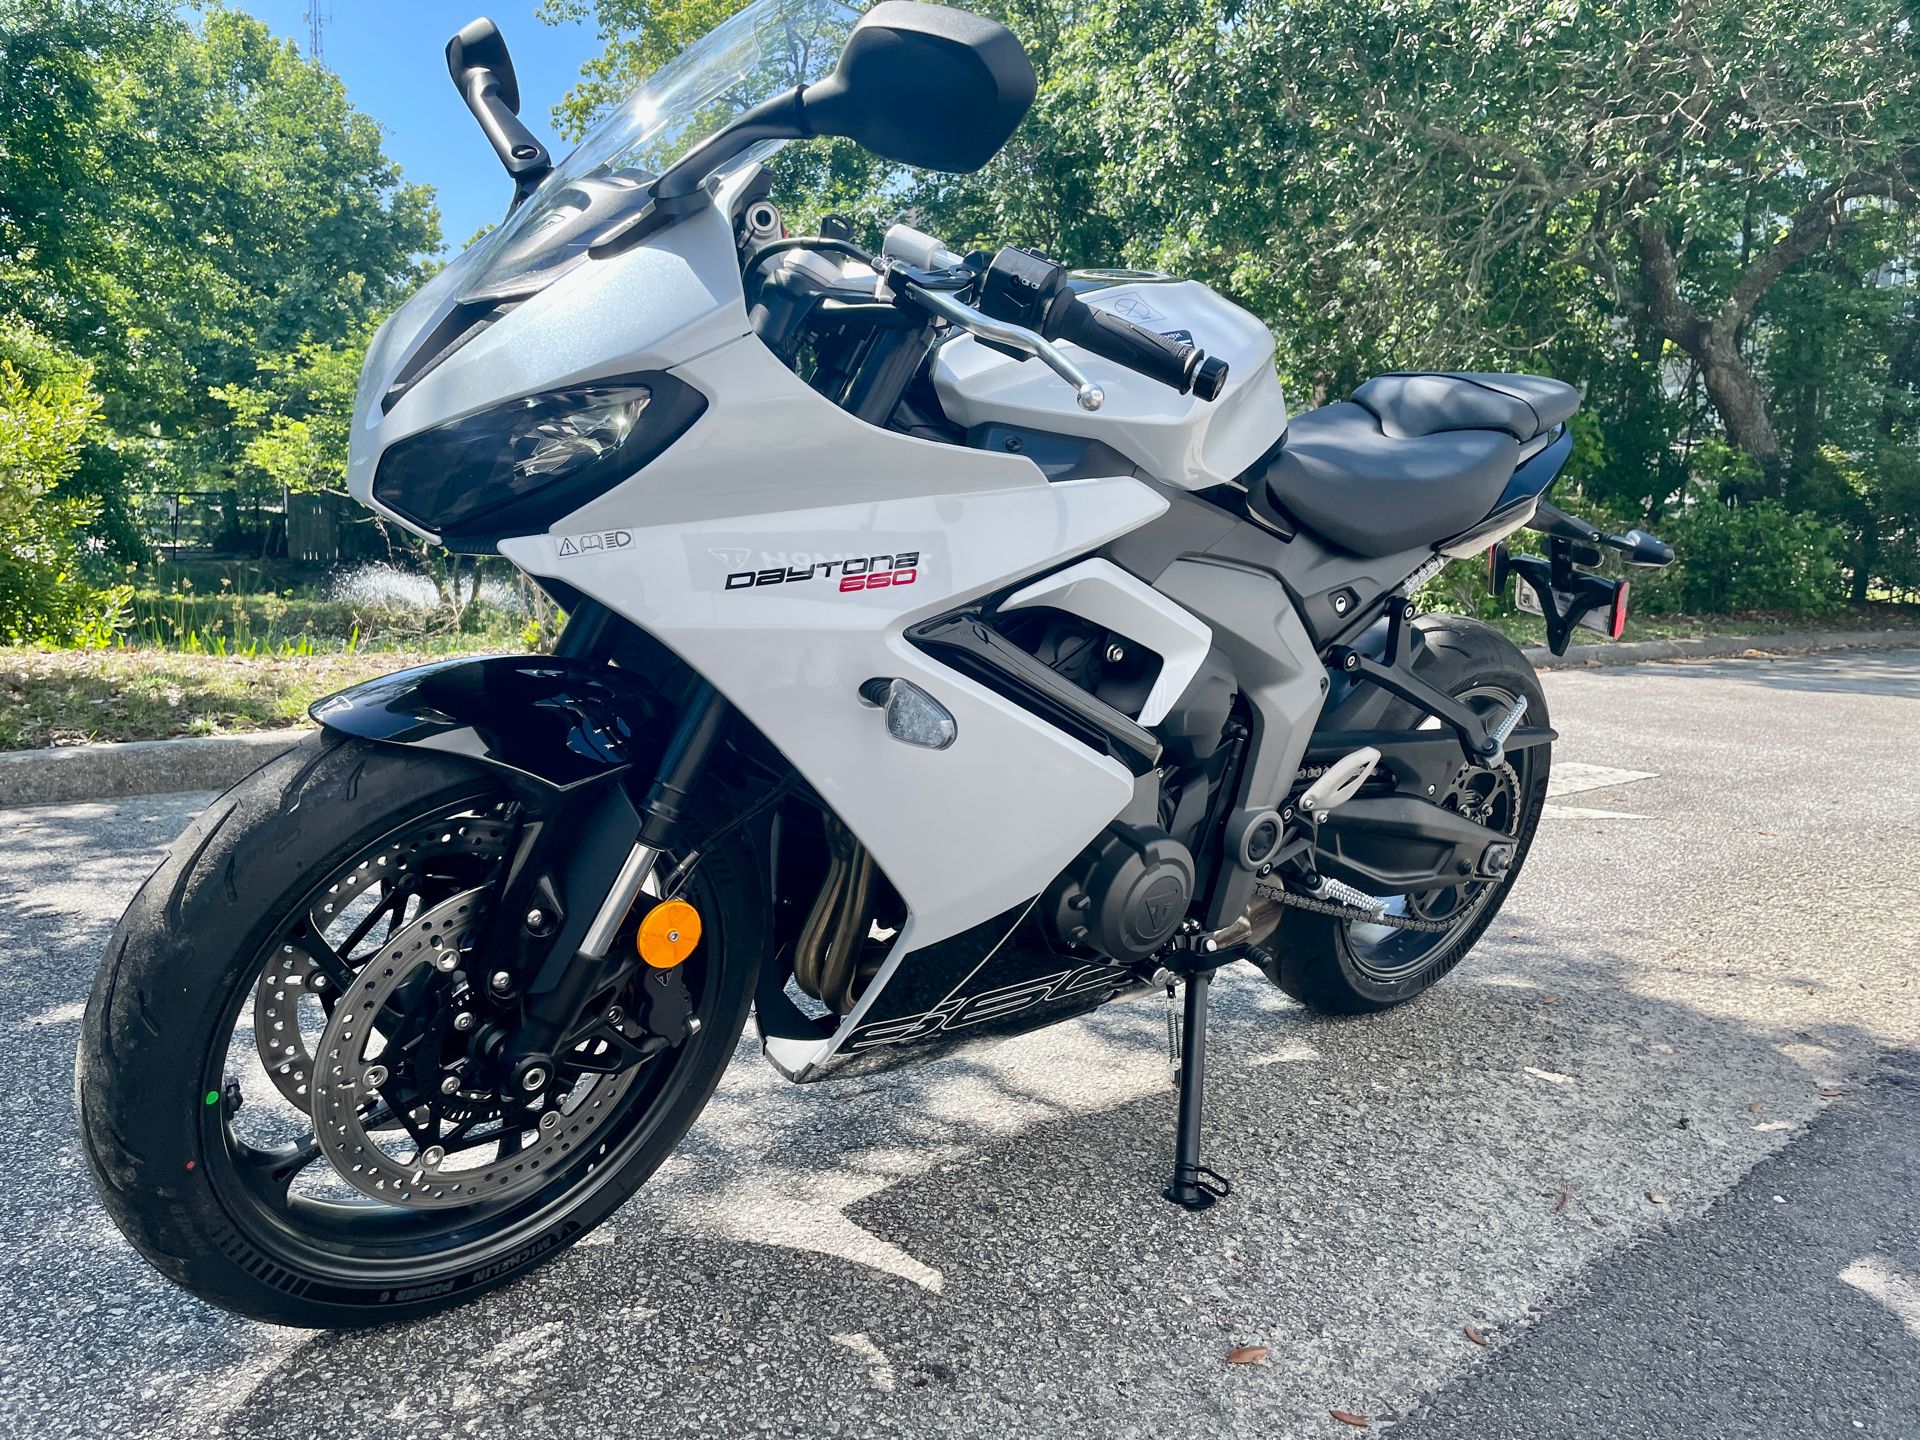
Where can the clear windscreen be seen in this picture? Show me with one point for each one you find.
(765, 49)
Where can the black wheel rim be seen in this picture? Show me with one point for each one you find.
(1386, 955)
(269, 1172)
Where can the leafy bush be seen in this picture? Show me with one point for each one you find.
(47, 409)
(1737, 557)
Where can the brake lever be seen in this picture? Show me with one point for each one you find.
(1013, 337)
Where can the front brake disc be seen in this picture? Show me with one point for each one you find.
(395, 1120)
(291, 973)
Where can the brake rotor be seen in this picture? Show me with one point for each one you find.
(277, 1032)
(383, 1112)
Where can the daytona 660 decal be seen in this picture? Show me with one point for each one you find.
(857, 572)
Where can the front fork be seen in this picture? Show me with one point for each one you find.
(575, 878)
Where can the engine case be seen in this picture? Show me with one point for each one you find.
(1125, 894)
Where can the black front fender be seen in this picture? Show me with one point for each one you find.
(554, 721)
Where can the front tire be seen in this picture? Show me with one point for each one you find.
(1338, 966)
(181, 994)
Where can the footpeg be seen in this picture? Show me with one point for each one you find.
(1341, 893)
(1343, 778)
(1510, 721)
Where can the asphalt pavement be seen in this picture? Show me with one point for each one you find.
(1708, 967)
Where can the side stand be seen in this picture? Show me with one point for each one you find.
(1193, 1185)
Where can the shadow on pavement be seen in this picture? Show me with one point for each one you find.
(978, 1247)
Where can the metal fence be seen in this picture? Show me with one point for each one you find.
(214, 523)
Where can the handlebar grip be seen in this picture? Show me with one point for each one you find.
(917, 248)
(1171, 362)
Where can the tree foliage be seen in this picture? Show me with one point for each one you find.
(1706, 212)
(197, 211)
(47, 409)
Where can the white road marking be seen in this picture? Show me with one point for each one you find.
(1572, 777)
(1898, 1292)
(879, 1368)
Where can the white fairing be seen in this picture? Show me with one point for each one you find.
(1100, 591)
(1177, 438)
(753, 547)
(647, 309)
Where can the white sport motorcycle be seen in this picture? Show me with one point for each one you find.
(911, 691)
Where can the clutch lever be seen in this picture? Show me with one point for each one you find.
(1017, 339)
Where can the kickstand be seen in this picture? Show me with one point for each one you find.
(1193, 1185)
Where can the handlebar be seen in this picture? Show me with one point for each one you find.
(1175, 363)
(1017, 339)
(1029, 292)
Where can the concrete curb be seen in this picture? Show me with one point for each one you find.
(1722, 647)
(65, 774)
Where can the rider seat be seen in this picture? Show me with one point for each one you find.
(1411, 459)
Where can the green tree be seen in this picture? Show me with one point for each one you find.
(189, 204)
(47, 408)
(292, 419)
(1685, 160)
(1704, 212)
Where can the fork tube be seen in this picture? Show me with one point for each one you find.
(585, 629)
(550, 1015)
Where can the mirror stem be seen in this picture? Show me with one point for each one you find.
(526, 160)
(777, 118)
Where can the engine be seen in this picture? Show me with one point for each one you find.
(1125, 894)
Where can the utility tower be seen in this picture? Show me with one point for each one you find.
(317, 17)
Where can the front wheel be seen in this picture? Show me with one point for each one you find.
(1343, 966)
(277, 1077)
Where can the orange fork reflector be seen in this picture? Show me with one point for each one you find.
(668, 934)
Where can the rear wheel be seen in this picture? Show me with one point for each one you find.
(1337, 965)
(277, 1072)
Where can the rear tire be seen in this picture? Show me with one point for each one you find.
(182, 965)
(1316, 958)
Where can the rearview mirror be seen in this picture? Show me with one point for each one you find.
(925, 85)
(479, 45)
(482, 72)
(917, 84)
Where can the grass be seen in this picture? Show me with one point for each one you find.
(239, 623)
(71, 697)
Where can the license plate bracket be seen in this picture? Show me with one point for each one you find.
(1565, 597)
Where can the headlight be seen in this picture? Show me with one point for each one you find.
(519, 467)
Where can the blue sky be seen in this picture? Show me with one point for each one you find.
(390, 54)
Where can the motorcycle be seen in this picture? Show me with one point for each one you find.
(911, 692)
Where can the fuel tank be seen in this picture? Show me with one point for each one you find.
(1176, 438)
